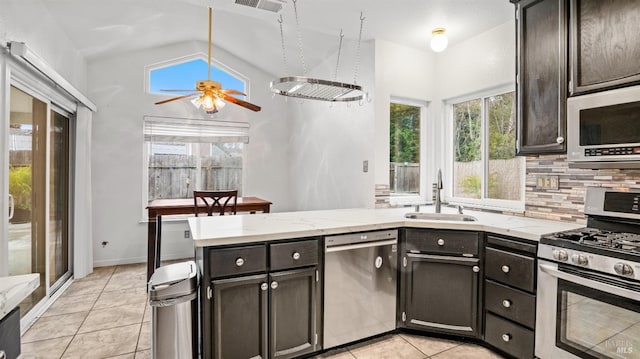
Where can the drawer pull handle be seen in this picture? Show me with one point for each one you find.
(295, 256)
(506, 269)
(506, 337)
(476, 269)
(264, 286)
(506, 303)
(441, 242)
(2, 354)
(239, 262)
(274, 285)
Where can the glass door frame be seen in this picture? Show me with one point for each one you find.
(27, 79)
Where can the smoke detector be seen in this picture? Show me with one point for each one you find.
(269, 5)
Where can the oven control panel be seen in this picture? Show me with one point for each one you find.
(596, 262)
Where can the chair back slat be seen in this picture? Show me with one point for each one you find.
(219, 202)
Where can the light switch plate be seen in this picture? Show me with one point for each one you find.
(365, 166)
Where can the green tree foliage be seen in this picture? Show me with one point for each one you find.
(20, 186)
(468, 135)
(405, 133)
(502, 127)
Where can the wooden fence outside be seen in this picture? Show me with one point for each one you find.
(505, 180)
(177, 176)
(404, 177)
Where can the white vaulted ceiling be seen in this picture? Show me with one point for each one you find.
(100, 28)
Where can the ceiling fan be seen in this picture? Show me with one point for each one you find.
(210, 95)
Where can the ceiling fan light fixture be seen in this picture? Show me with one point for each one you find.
(439, 40)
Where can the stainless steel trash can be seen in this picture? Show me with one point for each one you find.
(172, 295)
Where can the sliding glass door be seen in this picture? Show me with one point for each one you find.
(39, 187)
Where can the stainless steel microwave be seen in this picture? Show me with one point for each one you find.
(603, 129)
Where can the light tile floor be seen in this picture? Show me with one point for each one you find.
(106, 315)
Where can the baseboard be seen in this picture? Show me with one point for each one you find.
(133, 260)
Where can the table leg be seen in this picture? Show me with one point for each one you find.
(158, 241)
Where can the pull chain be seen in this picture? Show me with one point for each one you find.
(355, 71)
(304, 66)
(335, 76)
(284, 53)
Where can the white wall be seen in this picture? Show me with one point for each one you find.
(30, 22)
(330, 141)
(482, 62)
(118, 88)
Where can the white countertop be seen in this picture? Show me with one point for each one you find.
(14, 289)
(224, 230)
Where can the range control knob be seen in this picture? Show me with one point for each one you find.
(560, 255)
(623, 269)
(579, 259)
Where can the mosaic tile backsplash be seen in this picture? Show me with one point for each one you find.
(567, 202)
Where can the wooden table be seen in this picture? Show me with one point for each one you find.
(164, 207)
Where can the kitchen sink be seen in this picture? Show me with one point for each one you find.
(441, 216)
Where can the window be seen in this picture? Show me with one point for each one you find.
(485, 166)
(184, 155)
(406, 139)
(184, 75)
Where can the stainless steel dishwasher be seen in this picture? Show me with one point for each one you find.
(360, 286)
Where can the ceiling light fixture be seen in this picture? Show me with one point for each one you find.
(439, 41)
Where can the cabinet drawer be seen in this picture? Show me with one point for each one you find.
(510, 303)
(444, 242)
(10, 334)
(237, 260)
(509, 337)
(293, 254)
(510, 268)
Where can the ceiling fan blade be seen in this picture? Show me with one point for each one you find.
(233, 92)
(176, 98)
(244, 104)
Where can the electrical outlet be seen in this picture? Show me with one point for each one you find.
(365, 166)
(187, 234)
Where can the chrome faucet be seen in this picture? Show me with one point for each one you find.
(438, 187)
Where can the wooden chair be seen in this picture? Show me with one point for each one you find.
(216, 201)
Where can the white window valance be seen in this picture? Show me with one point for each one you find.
(171, 129)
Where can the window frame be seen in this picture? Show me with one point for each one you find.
(188, 58)
(146, 146)
(483, 202)
(423, 196)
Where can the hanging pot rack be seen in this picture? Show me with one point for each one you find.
(313, 88)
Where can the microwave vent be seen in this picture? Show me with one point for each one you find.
(269, 5)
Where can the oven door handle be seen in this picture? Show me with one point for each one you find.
(604, 287)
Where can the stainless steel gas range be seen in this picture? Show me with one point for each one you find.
(588, 295)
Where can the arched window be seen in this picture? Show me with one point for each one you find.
(183, 75)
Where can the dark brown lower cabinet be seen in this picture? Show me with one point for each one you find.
(441, 294)
(240, 317)
(266, 316)
(293, 321)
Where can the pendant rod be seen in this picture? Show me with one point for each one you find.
(209, 53)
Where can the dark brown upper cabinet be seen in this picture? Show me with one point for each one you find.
(541, 78)
(605, 44)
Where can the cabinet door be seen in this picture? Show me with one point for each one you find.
(441, 294)
(293, 312)
(541, 76)
(605, 44)
(240, 317)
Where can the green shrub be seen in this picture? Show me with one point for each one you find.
(20, 186)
